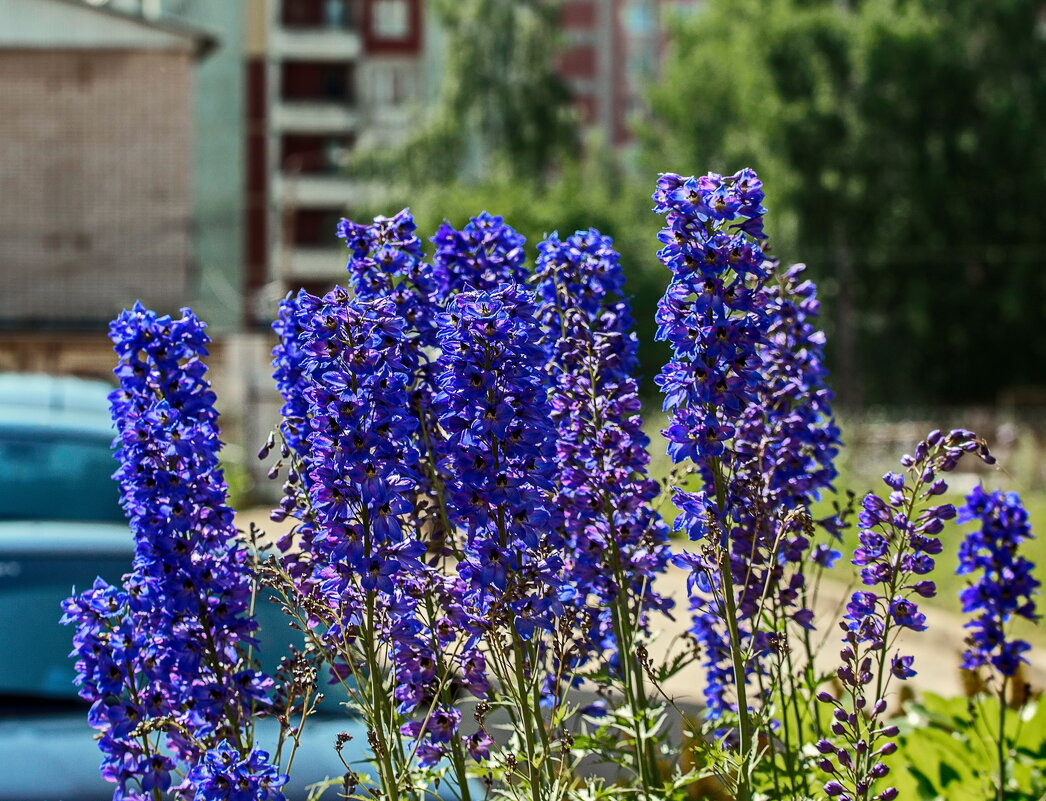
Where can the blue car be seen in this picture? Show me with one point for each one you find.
(61, 526)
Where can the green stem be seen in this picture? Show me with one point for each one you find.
(527, 720)
(631, 673)
(745, 744)
(1001, 743)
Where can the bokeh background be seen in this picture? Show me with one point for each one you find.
(201, 152)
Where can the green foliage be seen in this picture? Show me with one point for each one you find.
(946, 750)
(900, 144)
(501, 104)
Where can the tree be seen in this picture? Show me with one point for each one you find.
(501, 106)
(900, 142)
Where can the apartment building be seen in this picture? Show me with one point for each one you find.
(323, 78)
(611, 50)
(95, 120)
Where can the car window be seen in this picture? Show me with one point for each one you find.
(37, 666)
(50, 475)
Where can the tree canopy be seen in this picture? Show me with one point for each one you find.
(902, 150)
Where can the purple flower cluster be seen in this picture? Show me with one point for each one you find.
(750, 409)
(1005, 586)
(171, 643)
(361, 554)
(500, 444)
(784, 448)
(481, 256)
(386, 261)
(616, 543)
(711, 313)
(788, 438)
(287, 362)
(224, 774)
(897, 544)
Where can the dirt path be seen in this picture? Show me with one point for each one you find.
(937, 650)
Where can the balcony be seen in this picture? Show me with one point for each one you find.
(316, 44)
(323, 191)
(306, 264)
(315, 117)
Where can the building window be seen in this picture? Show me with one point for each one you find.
(392, 20)
(307, 153)
(315, 228)
(318, 81)
(329, 14)
(392, 84)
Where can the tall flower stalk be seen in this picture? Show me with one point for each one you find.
(897, 544)
(784, 451)
(491, 403)
(357, 573)
(713, 316)
(166, 659)
(1001, 593)
(616, 542)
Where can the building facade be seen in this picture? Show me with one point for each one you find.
(323, 78)
(611, 50)
(95, 120)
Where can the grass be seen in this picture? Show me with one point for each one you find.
(861, 467)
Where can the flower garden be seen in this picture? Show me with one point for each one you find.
(476, 543)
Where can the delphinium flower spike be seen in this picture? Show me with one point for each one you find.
(386, 262)
(288, 362)
(164, 659)
(1002, 591)
(484, 254)
(616, 542)
(224, 774)
(783, 454)
(491, 404)
(712, 315)
(897, 544)
(357, 572)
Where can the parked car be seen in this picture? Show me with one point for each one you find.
(61, 527)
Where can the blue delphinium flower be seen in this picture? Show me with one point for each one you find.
(713, 315)
(386, 263)
(491, 403)
(1006, 583)
(224, 774)
(287, 362)
(784, 449)
(170, 644)
(897, 542)
(793, 413)
(616, 541)
(484, 254)
(358, 562)
(499, 467)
